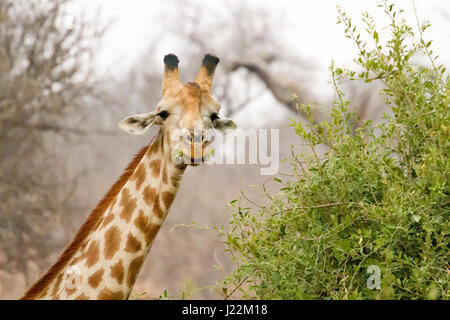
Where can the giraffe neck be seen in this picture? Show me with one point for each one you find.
(104, 261)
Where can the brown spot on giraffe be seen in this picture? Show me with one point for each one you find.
(164, 174)
(95, 278)
(108, 294)
(118, 271)
(70, 290)
(139, 176)
(167, 198)
(149, 195)
(155, 166)
(129, 204)
(151, 232)
(133, 245)
(82, 297)
(175, 179)
(157, 211)
(142, 222)
(112, 242)
(133, 270)
(92, 254)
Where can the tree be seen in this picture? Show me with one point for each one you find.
(46, 86)
(377, 200)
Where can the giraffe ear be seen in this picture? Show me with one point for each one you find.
(139, 123)
(222, 124)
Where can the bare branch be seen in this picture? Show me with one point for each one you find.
(281, 88)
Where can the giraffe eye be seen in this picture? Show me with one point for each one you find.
(214, 116)
(163, 114)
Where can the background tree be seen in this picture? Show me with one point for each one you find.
(378, 199)
(46, 86)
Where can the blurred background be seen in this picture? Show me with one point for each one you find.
(70, 70)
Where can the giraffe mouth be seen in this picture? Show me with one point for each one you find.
(192, 161)
(195, 156)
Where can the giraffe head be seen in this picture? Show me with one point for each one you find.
(187, 113)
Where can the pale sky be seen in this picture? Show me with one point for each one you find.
(311, 28)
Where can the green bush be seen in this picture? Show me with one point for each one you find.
(379, 195)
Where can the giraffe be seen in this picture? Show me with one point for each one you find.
(105, 256)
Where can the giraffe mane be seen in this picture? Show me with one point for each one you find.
(85, 229)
